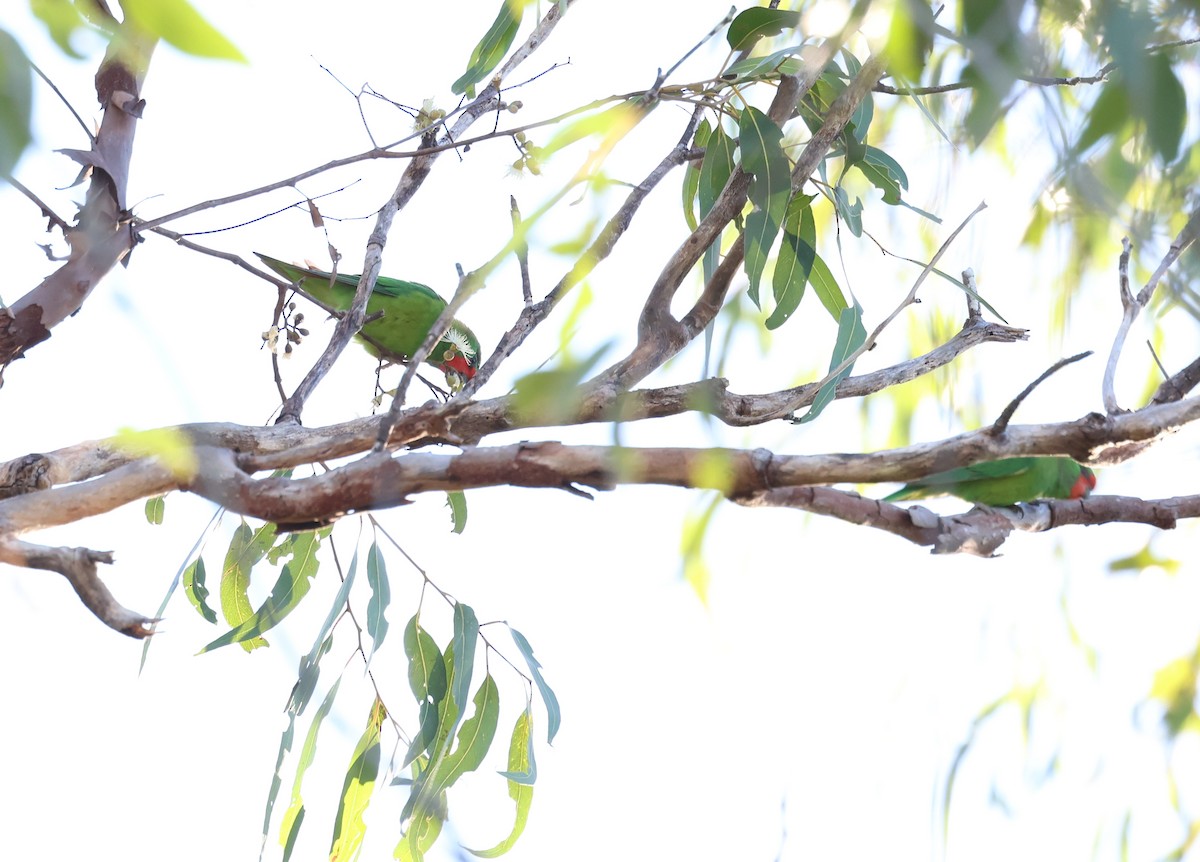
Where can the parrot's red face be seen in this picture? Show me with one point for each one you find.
(459, 363)
(1084, 484)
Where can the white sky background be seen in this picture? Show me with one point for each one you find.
(811, 711)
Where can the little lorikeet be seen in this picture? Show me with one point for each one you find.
(1005, 482)
(409, 309)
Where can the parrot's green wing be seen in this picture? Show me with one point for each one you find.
(406, 310)
(1005, 482)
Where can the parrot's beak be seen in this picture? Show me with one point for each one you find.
(455, 380)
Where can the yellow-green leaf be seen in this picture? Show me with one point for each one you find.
(491, 49)
(349, 828)
(179, 24)
(521, 774)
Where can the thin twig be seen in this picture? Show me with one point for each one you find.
(522, 251)
(91, 137)
(1001, 423)
(54, 217)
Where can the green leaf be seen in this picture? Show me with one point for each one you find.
(474, 737)
(762, 155)
(422, 833)
(381, 595)
(197, 549)
(289, 828)
(16, 101)
(826, 288)
(457, 501)
(285, 745)
(691, 175)
(349, 828)
(715, 169)
(691, 548)
(910, 38)
(795, 261)
(785, 61)
(196, 590)
(1110, 112)
(553, 713)
(521, 774)
(753, 24)
(179, 24)
(851, 213)
(491, 49)
(1165, 110)
(463, 641)
(156, 507)
(62, 18)
(885, 174)
(306, 682)
(246, 549)
(292, 586)
(426, 665)
(850, 337)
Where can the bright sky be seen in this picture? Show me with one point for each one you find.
(810, 711)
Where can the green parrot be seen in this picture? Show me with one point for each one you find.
(408, 308)
(1005, 482)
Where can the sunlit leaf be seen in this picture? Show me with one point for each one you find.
(289, 828)
(691, 547)
(156, 508)
(381, 596)
(179, 24)
(457, 502)
(491, 49)
(291, 586)
(762, 155)
(553, 713)
(826, 288)
(349, 828)
(522, 771)
(753, 24)
(172, 447)
(246, 549)
(910, 38)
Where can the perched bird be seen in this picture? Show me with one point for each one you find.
(409, 310)
(1005, 482)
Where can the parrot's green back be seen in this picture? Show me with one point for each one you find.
(408, 311)
(1005, 482)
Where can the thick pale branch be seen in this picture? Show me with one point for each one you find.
(78, 566)
(102, 237)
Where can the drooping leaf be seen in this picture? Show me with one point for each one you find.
(785, 61)
(63, 19)
(179, 24)
(1110, 112)
(753, 24)
(910, 38)
(795, 260)
(291, 586)
(196, 590)
(715, 168)
(471, 745)
(691, 175)
(763, 156)
(553, 713)
(426, 665)
(491, 49)
(691, 547)
(457, 501)
(463, 641)
(522, 772)
(289, 828)
(349, 828)
(246, 548)
(285, 745)
(16, 101)
(193, 554)
(156, 508)
(851, 213)
(306, 681)
(1165, 112)
(381, 596)
(850, 337)
(826, 288)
